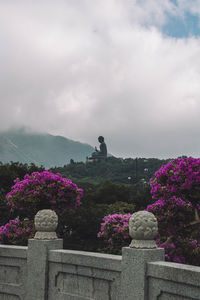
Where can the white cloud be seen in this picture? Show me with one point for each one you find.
(88, 68)
(193, 6)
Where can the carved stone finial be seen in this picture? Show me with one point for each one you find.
(143, 228)
(46, 222)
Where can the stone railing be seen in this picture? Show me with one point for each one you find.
(44, 271)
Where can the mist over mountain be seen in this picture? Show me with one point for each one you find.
(40, 148)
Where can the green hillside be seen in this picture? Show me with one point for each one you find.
(121, 171)
(41, 149)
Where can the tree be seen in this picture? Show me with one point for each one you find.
(110, 193)
(114, 230)
(176, 187)
(8, 173)
(39, 190)
(43, 190)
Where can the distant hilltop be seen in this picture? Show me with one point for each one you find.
(41, 149)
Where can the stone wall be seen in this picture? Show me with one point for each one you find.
(44, 271)
(83, 275)
(173, 281)
(13, 272)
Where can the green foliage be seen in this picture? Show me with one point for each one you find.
(140, 196)
(115, 232)
(8, 173)
(107, 190)
(122, 171)
(110, 193)
(80, 230)
(43, 190)
(16, 232)
(176, 187)
(39, 190)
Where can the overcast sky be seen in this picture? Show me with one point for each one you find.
(125, 69)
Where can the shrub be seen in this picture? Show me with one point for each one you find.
(172, 215)
(180, 178)
(41, 191)
(178, 234)
(181, 250)
(176, 187)
(16, 232)
(114, 230)
(8, 172)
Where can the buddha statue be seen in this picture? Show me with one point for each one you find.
(102, 152)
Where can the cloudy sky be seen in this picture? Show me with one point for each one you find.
(125, 69)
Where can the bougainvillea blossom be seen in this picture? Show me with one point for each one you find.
(42, 190)
(176, 187)
(16, 232)
(114, 230)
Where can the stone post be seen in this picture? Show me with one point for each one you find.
(143, 229)
(45, 239)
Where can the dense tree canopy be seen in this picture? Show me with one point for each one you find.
(176, 189)
(117, 170)
(8, 173)
(101, 197)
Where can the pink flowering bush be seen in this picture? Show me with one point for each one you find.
(176, 187)
(178, 234)
(172, 214)
(114, 230)
(180, 178)
(181, 250)
(40, 190)
(43, 190)
(16, 232)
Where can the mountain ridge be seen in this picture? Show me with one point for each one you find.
(41, 148)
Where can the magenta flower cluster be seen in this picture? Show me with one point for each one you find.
(114, 230)
(176, 187)
(16, 232)
(44, 190)
(181, 243)
(181, 250)
(172, 213)
(180, 177)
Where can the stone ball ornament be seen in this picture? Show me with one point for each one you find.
(46, 222)
(143, 228)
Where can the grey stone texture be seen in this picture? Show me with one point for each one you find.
(44, 271)
(46, 222)
(83, 275)
(37, 264)
(133, 275)
(13, 272)
(143, 228)
(168, 281)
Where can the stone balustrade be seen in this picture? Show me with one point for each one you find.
(44, 271)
